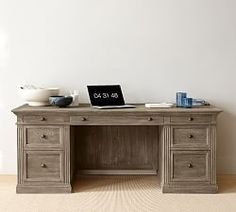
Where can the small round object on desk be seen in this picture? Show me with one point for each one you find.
(60, 101)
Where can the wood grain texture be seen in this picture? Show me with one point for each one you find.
(213, 155)
(85, 109)
(190, 136)
(20, 154)
(39, 189)
(67, 152)
(44, 166)
(73, 164)
(44, 119)
(165, 155)
(130, 140)
(200, 189)
(117, 120)
(117, 147)
(41, 136)
(191, 119)
(190, 166)
(116, 172)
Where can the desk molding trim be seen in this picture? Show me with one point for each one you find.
(117, 172)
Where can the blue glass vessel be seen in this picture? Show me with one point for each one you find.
(188, 102)
(180, 96)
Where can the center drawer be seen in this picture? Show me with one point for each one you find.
(117, 120)
(43, 136)
(190, 136)
(44, 166)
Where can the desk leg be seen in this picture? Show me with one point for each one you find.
(165, 155)
(67, 148)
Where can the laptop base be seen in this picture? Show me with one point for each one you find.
(114, 106)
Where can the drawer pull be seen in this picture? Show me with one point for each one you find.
(190, 118)
(43, 136)
(190, 136)
(43, 165)
(43, 119)
(190, 165)
(84, 119)
(150, 118)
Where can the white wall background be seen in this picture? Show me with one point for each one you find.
(151, 47)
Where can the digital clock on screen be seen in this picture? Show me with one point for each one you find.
(101, 95)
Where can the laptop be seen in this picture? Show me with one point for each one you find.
(107, 97)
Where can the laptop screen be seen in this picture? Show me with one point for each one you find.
(105, 95)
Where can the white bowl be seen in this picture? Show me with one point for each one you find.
(39, 96)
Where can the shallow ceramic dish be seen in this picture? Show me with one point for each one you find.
(37, 96)
(60, 101)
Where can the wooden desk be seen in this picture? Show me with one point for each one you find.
(54, 144)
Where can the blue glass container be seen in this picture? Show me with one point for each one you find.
(188, 102)
(180, 96)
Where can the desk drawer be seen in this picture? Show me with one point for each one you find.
(190, 136)
(44, 119)
(45, 166)
(191, 119)
(117, 120)
(190, 165)
(40, 136)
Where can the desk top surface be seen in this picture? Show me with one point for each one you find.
(140, 108)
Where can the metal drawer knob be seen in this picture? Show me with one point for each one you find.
(43, 165)
(43, 119)
(83, 119)
(190, 118)
(43, 136)
(190, 136)
(150, 118)
(190, 165)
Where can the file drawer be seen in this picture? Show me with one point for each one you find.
(45, 166)
(190, 166)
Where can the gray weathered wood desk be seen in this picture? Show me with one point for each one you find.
(54, 144)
